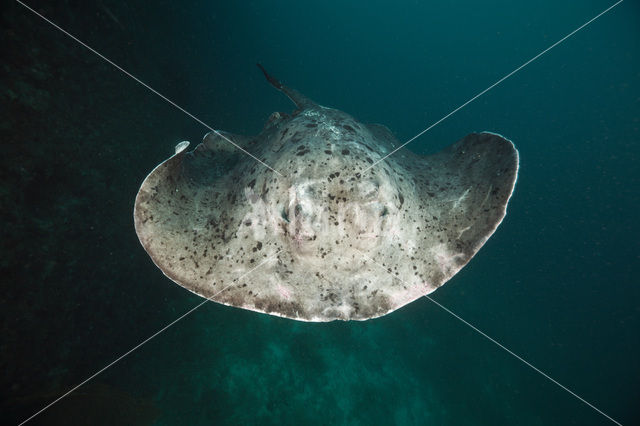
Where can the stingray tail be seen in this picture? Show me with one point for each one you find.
(298, 98)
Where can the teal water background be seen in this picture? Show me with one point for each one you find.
(557, 283)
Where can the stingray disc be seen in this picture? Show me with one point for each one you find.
(314, 244)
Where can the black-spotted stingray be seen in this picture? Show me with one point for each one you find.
(336, 234)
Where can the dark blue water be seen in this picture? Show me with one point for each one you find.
(557, 284)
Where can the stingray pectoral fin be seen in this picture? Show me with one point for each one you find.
(150, 217)
(182, 214)
(487, 167)
(465, 190)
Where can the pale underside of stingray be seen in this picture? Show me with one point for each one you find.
(311, 244)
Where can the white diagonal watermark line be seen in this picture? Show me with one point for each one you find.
(147, 86)
(494, 84)
(500, 345)
(518, 357)
(145, 341)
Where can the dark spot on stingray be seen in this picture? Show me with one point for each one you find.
(345, 152)
(253, 182)
(401, 198)
(311, 125)
(349, 128)
(326, 151)
(369, 160)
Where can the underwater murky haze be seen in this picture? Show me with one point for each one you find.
(557, 283)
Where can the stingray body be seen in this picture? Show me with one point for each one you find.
(330, 238)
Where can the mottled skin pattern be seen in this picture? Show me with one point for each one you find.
(326, 230)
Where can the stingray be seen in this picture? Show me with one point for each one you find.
(310, 243)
